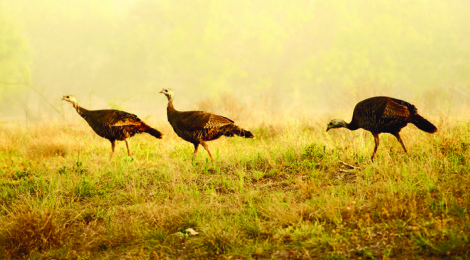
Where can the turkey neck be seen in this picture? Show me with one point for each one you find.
(81, 111)
(352, 126)
(170, 109)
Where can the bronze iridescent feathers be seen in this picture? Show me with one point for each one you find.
(384, 115)
(393, 110)
(113, 124)
(198, 127)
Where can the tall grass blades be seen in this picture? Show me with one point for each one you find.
(294, 192)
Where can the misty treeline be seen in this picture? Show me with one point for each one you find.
(307, 52)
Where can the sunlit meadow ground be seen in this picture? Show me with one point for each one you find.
(283, 195)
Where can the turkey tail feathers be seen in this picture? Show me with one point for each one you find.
(423, 124)
(232, 130)
(246, 134)
(154, 132)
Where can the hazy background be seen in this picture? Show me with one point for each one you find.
(282, 56)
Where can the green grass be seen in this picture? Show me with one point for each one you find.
(283, 195)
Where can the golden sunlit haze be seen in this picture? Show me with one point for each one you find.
(281, 69)
(279, 56)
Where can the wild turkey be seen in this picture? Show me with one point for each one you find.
(197, 127)
(113, 124)
(384, 115)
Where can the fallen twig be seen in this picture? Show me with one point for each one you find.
(350, 166)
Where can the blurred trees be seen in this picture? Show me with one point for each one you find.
(297, 47)
(209, 44)
(306, 51)
(14, 56)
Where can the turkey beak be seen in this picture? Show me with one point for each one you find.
(63, 98)
(161, 92)
(327, 128)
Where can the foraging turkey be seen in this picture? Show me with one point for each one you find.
(113, 124)
(384, 115)
(197, 127)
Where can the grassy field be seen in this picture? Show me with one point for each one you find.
(284, 195)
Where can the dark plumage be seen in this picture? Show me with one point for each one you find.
(113, 124)
(197, 127)
(384, 115)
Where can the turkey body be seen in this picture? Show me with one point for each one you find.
(114, 124)
(384, 115)
(198, 127)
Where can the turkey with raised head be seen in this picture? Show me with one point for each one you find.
(384, 115)
(198, 127)
(113, 124)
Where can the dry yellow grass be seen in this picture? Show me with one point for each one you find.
(283, 195)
